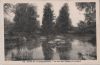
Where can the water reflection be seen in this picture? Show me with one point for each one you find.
(82, 50)
(57, 48)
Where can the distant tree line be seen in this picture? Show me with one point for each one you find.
(26, 20)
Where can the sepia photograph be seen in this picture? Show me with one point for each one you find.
(50, 31)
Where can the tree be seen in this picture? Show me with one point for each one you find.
(82, 26)
(8, 8)
(8, 23)
(90, 15)
(48, 17)
(25, 18)
(63, 23)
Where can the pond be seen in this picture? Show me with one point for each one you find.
(54, 48)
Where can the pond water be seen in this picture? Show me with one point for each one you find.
(57, 48)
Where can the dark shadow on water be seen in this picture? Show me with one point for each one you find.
(47, 50)
(63, 48)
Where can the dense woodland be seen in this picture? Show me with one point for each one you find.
(25, 20)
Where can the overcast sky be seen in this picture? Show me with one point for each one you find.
(75, 14)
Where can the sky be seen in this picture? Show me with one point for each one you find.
(75, 15)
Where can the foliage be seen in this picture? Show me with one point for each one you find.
(25, 18)
(82, 26)
(8, 8)
(63, 23)
(48, 17)
(8, 24)
(90, 15)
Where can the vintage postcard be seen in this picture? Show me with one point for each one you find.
(49, 32)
